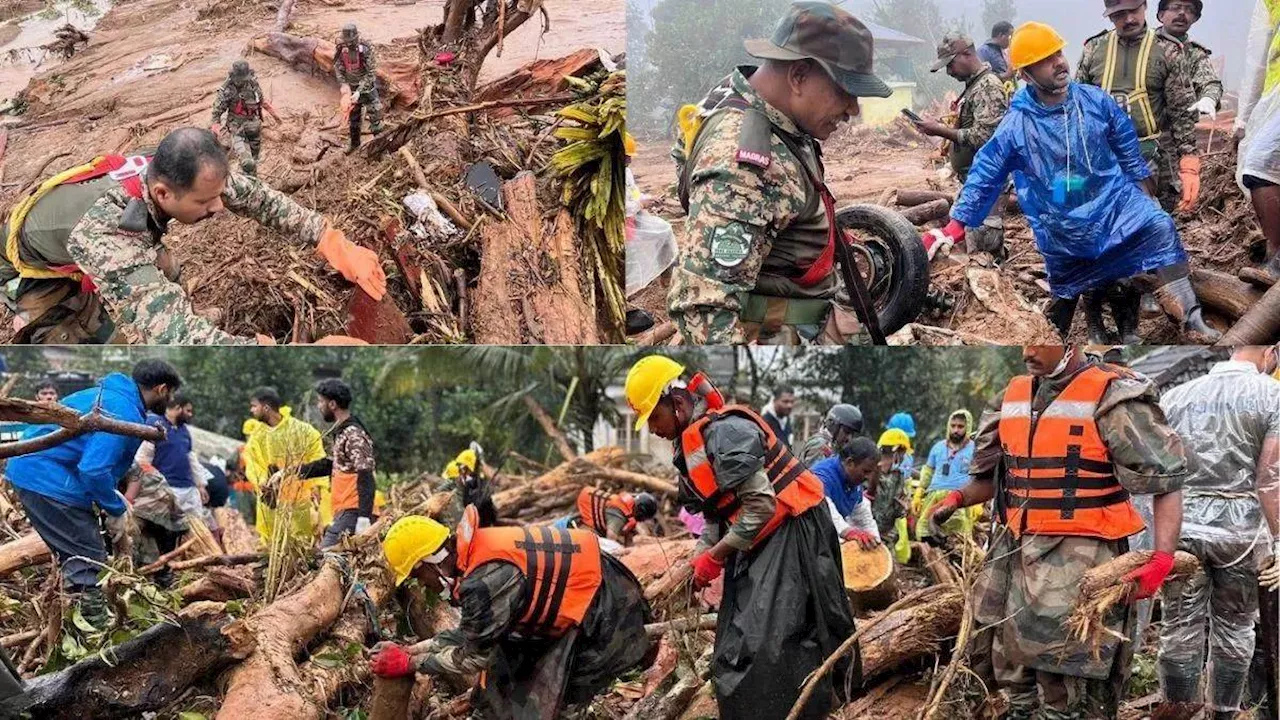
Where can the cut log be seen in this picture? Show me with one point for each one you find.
(633, 479)
(912, 198)
(511, 501)
(220, 585)
(26, 550)
(702, 622)
(928, 212)
(147, 673)
(1224, 293)
(561, 303)
(1259, 325)
(869, 576)
(391, 698)
(1103, 588)
(237, 537)
(913, 631)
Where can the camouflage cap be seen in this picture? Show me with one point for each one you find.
(953, 43)
(349, 30)
(831, 37)
(1115, 6)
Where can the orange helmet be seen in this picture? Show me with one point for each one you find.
(1033, 42)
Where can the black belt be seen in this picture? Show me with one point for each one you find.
(1017, 502)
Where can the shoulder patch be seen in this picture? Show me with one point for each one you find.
(1102, 34)
(1198, 46)
(134, 217)
(755, 140)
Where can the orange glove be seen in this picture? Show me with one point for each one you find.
(1189, 171)
(357, 264)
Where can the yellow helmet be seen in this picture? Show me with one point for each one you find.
(629, 144)
(894, 438)
(411, 539)
(466, 458)
(647, 380)
(1033, 42)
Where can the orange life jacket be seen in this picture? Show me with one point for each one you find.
(561, 566)
(1059, 479)
(796, 488)
(593, 503)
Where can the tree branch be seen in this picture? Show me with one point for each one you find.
(73, 425)
(549, 427)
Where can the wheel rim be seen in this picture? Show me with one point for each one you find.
(875, 261)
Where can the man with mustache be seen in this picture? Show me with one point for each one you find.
(756, 257)
(88, 244)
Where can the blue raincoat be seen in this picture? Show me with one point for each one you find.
(1076, 167)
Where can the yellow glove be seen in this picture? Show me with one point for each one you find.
(1189, 171)
(357, 264)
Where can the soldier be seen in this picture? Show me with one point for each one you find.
(842, 424)
(1230, 422)
(613, 516)
(768, 522)
(240, 99)
(978, 111)
(1148, 74)
(1076, 438)
(1177, 17)
(548, 619)
(757, 255)
(88, 246)
(159, 517)
(356, 69)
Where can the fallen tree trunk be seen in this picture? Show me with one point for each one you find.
(1224, 293)
(1260, 325)
(549, 427)
(912, 631)
(626, 477)
(928, 212)
(220, 585)
(26, 550)
(147, 673)
(72, 425)
(391, 698)
(511, 501)
(401, 80)
(912, 198)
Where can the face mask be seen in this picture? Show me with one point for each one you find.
(1062, 364)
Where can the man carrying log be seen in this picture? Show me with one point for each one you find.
(63, 488)
(548, 620)
(768, 532)
(842, 424)
(1080, 177)
(842, 478)
(614, 516)
(756, 260)
(88, 244)
(1060, 450)
(1229, 421)
(349, 464)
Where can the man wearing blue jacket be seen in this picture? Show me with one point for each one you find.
(62, 487)
(842, 476)
(1081, 182)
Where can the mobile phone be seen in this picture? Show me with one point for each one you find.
(912, 116)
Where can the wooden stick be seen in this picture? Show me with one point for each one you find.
(627, 477)
(217, 560)
(451, 210)
(164, 559)
(702, 622)
(414, 167)
(73, 424)
(17, 639)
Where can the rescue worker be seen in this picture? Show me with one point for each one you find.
(1229, 421)
(614, 516)
(1176, 18)
(1257, 130)
(63, 488)
(842, 478)
(159, 518)
(777, 412)
(175, 458)
(466, 477)
(756, 258)
(356, 69)
(349, 464)
(1148, 73)
(842, 424)
(946, 469)
(1075, 439)
(887, 490)
(240, 99)
(87, 244)
(1075, 162)
(768, 532)
(548, 620)
(274, 455)
(977, 113)
(905, 422)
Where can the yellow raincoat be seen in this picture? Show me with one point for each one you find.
(288, 445)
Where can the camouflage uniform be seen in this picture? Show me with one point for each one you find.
(117, 241)
(887, 505)
(754, 218)
(817, 447)
(1204, 78)
(980, 108)
(1169, 132)
(240, 99)
(1029, 586)
(1224, 418)
(355, 66)
(159, 518)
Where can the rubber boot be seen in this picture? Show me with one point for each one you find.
(1263, 277)
(94, 609)
(1126, 307)
(1098, 333)
(1061, 311)
(1179, 301)
(355, 134)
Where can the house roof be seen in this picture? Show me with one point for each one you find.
(888, 37)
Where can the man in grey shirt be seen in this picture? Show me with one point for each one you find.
(1229, 421)
(992, 51)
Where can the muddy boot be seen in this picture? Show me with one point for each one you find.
(1061, 312)
(1179, 301)
(1098, 333)
(93, 607)
(355, 141)
(1263, 277)
(375, 128)
(1176, 711)
(1126, 308)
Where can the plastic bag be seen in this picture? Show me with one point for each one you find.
(651, 249)
(429, 217)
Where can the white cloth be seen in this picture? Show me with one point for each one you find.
(189, 501)
(860, 517)
(1257, 114)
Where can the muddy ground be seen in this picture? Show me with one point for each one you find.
(978, 300)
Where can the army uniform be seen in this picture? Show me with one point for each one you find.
(241, 100)
(1029, 585)
(355, 66)
(99, 229)
(1159, 99)
(887, 504)
(816, 448)
(159, 518)
(1204, 79)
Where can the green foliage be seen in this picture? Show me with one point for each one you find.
(1143, 678)
(922, 19)
(144, 606)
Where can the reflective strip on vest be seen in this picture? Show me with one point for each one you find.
(1059, 477)
(797, 489)
(561, 567)
(1149, 129)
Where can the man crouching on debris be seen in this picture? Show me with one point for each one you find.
(1084, 188)
(1060, 450)
(87, 245)
(784, 608)
(63, 487)
(547, 618)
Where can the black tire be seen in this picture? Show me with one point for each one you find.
(892, 243)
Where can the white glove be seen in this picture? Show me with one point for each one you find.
(362, 524)
(1206, 106)
(475, 448)
(1269, 578)
(936, 241)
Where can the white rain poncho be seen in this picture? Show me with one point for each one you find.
(1259, 112)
